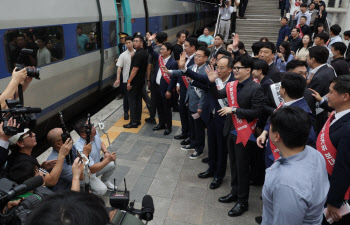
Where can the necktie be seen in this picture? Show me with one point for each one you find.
(332, 118)
(309, 80)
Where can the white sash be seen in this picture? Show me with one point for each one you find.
(275, 89)
(220, 85)
(197, 90)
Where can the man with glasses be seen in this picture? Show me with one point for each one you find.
(54, 138)
(246, 102)
(21, 146)
(97, 167)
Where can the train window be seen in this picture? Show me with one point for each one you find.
(174, 21)
(187, 18)
(112, 34)
(88, 37)
(182, 19)
(46, 45)
(165, 23)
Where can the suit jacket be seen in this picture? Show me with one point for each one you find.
(170, 65)
(325, 106)
(274, 73)
(194, 101)
(340, 66)
(269, 159)
(178, 79)
(339, 133)
(250, 100)
(320, 83)
(3, 156)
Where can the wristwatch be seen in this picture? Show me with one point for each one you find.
(234, 109)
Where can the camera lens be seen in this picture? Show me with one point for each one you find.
(33, 72)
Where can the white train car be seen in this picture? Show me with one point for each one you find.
(75, 72)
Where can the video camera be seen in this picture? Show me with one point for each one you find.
(10, 190)
(126, 213)
(31, 72)
(24, 116)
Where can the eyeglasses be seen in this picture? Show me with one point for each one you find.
(28, 134)
(237, 68)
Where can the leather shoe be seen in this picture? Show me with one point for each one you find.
(139, 123)
(228, 198)
(205, 160)
(159, 127)
(126, 116)
(180, 136)
(130, 125)
(238, 209)
(216, 183)
(258, 219)
(150, 120)
(205, 174)
(168, 130)
(186, 141)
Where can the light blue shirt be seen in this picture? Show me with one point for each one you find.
(333, 40)
(65, 179)
(282, 65)
(94, 156)
(295, 189)
(207, 39)
(300, 14)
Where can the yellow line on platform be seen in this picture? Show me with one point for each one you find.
(118, 128)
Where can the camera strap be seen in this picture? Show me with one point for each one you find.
(20, 94)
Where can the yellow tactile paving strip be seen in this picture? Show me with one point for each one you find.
(118, 128)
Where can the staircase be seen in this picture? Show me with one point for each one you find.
(263, 20)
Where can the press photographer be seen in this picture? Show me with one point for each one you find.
(225, 12)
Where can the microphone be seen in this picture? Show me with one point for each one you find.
(27, 185)
(147, 208)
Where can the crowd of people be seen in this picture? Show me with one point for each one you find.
(279, 115)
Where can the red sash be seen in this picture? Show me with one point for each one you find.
(329, 152)
(274, 149)
(186, 81)
(301, 35)
(165, 75)
(244, 130)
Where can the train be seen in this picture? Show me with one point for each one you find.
(74, 74)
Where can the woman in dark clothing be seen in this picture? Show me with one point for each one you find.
(321, 16)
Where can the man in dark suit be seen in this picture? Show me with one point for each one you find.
(217, 147)
(333, 142)
(319, 78)
(181, 84)
(195, 98)
(347, 54)
(339, 64)
(121, 46)
(245, 108)
(267, 52)
(160, 83)
(292, 91)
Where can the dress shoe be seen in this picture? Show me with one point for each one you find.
(180, 136)
(244, 17)
(205, 160)
(238, 209)
(130, 125)
(216, 183)
(150, 120)
(205, 174)
(258, 219)
(139, 123)
(228, 198)
(186, 141)
(168, 130)
(126, 116)
(187, 148)
(120, 97)
(159, 127)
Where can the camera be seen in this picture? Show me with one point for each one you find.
(127, 213)
(31, 72)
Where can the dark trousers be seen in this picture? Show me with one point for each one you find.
(344, 221)
(184, 117)
(135, 103)
(175, 99)
(124, 91)
(151, 108)
(163, 107)
(239, 162)
(283, 7)
(197, 135)
(257, 165)
(217, 148)
(242, 7)
(233, 22)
